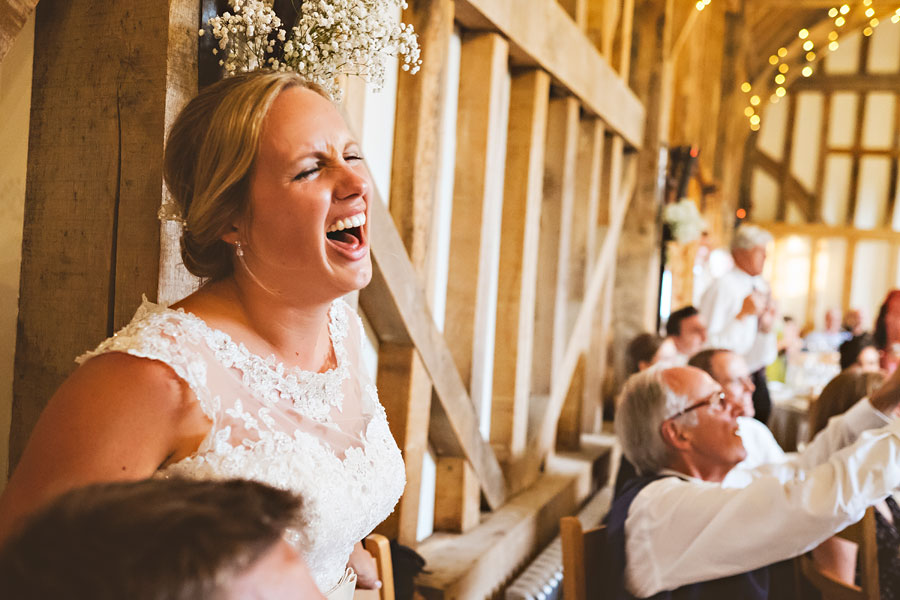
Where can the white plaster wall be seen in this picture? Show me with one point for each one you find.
(15, 107)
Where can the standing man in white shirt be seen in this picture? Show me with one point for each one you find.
(676, 532)
(739, 311)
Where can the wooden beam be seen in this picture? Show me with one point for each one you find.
(824, 130)
(822, 230)
(849, 258)
(91, 242)
(453, 509)
(569, 426)
(556, 223)
(621, 57)
(13, 14)
(546, 36)
(529, 98)
(588, 179)
(790, 188)
(811, 285)
(475, 226)
(857, 136)
(784, 167)
(857, 82)
(578, 11)
(395, 289)
(402, 378)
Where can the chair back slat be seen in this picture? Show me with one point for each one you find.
(583, 559)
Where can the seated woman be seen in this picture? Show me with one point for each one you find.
(835, 555)
(258, 374)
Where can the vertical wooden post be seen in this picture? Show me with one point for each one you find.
(529, 98)
(578, 10)
(556, 223)
(106, 82)
(405, 388)
(637, 270)
(477, 210)
(13, 15)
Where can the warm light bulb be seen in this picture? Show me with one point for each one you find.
(895, 19)
(867, 31)
(832, 12)
(754, 100)
(754, 126)
(839, 21)
(782, 52)
(779, 79)
(870, 12)
(807, 71)
(783, 68)
(780, 92)
(833, 36)
(746, 87)
(808, 45)
(754, 120)
(874, 22)
(749, 112)
(741, 213)
(833, 46)
(773, 60)
(803, 34)
(810, 56)
(845, 9)
(700, 5)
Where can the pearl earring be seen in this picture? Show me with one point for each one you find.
(238, 250)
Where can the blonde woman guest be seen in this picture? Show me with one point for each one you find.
(836, 555)
(258, 374)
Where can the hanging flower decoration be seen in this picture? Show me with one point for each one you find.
(330, 39)
(684, 220)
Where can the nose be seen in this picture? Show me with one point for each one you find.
(352, 181)
(735, 408)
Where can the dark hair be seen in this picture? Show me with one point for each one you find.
(642, 349)
(158, 538)
(673, 325)
(880, 333)
(842, 392)
(851, 348)
(704, 359)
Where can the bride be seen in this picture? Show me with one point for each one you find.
(258, 374)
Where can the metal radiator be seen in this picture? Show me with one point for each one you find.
(542, 579)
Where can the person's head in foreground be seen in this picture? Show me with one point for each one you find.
(748, 248)
(685, 327)
(159, 538)
(678, 418)
(842, 392)
(731, 372)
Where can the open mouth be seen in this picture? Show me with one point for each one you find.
(347, 233)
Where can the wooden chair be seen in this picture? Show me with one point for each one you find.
(832, 588)
(583, 554)
(380, 549)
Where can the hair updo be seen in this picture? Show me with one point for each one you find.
(209, 155)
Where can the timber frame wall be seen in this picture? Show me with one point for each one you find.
(539, 257)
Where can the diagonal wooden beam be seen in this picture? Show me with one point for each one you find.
(545, 35)
(13, 14)
(396, 289)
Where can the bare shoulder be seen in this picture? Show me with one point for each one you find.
(117, 417)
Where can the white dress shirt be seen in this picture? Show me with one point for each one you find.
(682, 530)
(720, 306)
(762, 449)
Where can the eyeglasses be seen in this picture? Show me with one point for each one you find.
(716, 401)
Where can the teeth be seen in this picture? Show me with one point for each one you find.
(357, 220)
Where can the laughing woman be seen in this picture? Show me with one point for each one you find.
(258, 374)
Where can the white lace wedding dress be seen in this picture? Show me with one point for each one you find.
(321, 435)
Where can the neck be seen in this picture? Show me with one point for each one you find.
(296, 329)
(694, 467)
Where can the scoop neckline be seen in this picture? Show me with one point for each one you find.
(270, 362)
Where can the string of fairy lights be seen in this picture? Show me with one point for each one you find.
(802, 55)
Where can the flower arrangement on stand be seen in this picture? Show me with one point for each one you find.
(684, 220)
(329, 40)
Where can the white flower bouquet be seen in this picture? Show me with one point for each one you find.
(684, 220)
(331, 38)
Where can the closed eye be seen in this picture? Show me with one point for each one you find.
(306, 174)
(352, 157)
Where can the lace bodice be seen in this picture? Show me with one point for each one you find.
(322, 435)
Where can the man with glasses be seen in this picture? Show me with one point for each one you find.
(676, 532)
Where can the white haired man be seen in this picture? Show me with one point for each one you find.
(675, 532)
(739, 311)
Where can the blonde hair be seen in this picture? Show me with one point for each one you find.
(210, 152)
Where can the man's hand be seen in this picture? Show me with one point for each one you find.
(366, 569)
(887, 397)
(753, 306)
(767, 318)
